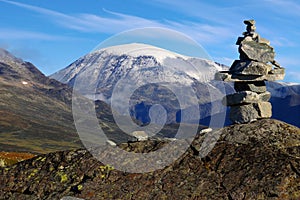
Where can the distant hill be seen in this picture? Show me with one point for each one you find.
(36, 111)
(260, 160)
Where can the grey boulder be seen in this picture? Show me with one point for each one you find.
(245, 97)
(252, 50)
(250, 112)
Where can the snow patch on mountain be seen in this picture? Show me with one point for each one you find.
(138, 49)
(283, 89)
(136, 62)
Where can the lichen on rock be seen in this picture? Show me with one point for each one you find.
(258, 160)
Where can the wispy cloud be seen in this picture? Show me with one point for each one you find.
(118, 22)
(203, 33)
(203, 11)
(21, 34)
(89, 22)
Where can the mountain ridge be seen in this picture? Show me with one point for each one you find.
(33, 107)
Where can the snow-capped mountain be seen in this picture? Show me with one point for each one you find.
(146, 66)
(150, 74)
(105, 67)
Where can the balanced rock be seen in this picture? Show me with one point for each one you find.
(250, 112)
(273, 75)
(251, 28)
(245, 97)
(249, 22)
(252, 50)
(250, 67)
(255, 66)
(258, 86)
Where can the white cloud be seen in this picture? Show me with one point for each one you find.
(21, 34)
(209, 12)
(203, 33)
(89, 22)
(118, 22)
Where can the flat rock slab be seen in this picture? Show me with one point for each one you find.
(250, 68)
(258, 87)
(246, 97)
(274, 75)
(250, 112)
(253, 50)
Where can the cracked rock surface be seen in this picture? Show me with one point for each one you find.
(259, 160)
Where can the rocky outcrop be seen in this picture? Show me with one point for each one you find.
(259, 160)
(256, 65)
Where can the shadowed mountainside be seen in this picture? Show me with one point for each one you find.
(36, 111)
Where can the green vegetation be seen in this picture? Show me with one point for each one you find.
(105, 170)
(2, 162)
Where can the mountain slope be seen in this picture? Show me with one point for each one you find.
(260, 160)
(35, 110)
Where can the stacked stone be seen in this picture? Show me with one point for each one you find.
(255, 66)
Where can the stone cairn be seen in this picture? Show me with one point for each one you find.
(255, 66)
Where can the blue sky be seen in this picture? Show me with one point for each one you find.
(53, 33)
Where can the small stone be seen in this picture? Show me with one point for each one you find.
(258, 87)
(140, 135)
(250, 22)
(276, 64)
(250, 68)
(264, 109)
(245, 97)
(251, 50)
(243, 114)
(264, 97)
(240, 98)
(251, 29)
(112, 143)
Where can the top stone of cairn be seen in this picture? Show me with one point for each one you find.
(256, 61)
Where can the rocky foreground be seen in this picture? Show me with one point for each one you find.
(260, 160)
